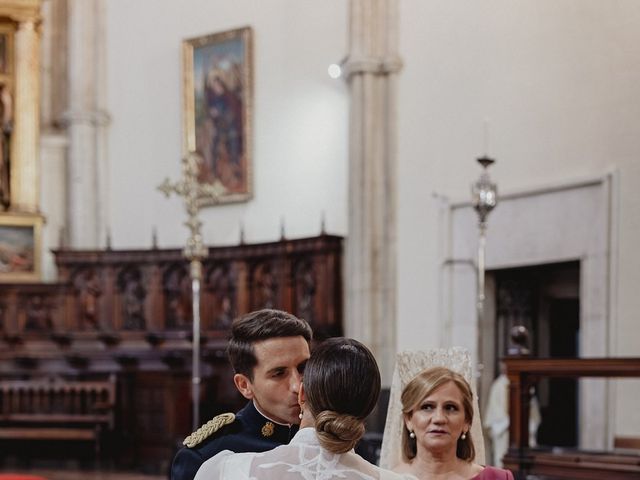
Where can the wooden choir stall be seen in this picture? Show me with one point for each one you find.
(103, 356)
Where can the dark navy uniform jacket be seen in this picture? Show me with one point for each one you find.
(250, 432)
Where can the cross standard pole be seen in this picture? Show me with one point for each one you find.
(191, 190)
(196, 278)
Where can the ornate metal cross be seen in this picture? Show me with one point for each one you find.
(191, 190)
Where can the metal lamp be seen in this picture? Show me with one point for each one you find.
(484, 199)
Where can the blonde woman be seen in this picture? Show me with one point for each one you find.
(436, 443)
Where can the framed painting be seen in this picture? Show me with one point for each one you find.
(218, 100)
(20, 244)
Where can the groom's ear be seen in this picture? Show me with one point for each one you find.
(244, 385)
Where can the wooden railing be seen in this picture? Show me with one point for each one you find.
(524, 372)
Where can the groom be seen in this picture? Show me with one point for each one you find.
(268, 350)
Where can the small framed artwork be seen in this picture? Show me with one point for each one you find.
(217, 110)
(20, 244)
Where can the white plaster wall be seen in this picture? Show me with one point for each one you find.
(300, 117)
(558, 82)
(541, 227)
(53, 149)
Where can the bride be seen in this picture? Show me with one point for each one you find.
(340, 388)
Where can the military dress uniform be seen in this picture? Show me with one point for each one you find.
(247, 431)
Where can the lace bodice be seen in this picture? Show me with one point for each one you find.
(303, 459)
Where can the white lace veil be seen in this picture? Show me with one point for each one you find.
(408, 365)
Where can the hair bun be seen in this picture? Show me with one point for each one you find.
(338, 432)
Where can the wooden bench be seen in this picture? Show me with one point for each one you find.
(57, 409)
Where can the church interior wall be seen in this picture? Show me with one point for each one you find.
(299, 119)
(549, 89)
(523, 232)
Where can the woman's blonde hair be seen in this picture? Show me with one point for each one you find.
(423, 385)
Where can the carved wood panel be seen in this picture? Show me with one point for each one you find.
(150, 290)
(129, 313)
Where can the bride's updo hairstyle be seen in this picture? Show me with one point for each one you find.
(341, 384)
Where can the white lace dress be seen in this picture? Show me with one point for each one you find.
(303, 459)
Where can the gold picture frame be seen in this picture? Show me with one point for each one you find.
(218, 112)
(6, 53)
(20, 247)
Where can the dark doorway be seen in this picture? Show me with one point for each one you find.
(559, 426)
(544, 299)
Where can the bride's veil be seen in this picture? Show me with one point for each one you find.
(408, 365)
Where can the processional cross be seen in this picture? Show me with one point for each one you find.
(191, 191)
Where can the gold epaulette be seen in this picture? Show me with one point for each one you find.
(208, 429)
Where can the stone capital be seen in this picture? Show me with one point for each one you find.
(97, 118)
(21, 11)
(375, 65)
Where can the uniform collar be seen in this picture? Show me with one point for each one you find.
(267, 417)
(265, 428)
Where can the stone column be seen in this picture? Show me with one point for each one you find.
(86, 122)
(54, 78)
(26, 127)
(53, 140)
(371, 69)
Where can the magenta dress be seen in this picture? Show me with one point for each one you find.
(493, 473)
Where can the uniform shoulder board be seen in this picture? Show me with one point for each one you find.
(208, 429)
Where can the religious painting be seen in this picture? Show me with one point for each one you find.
(20, 237)
(218, 99)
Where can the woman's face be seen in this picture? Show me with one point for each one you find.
(438, 420)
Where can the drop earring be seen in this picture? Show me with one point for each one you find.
(412, 435)
(464, 436)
